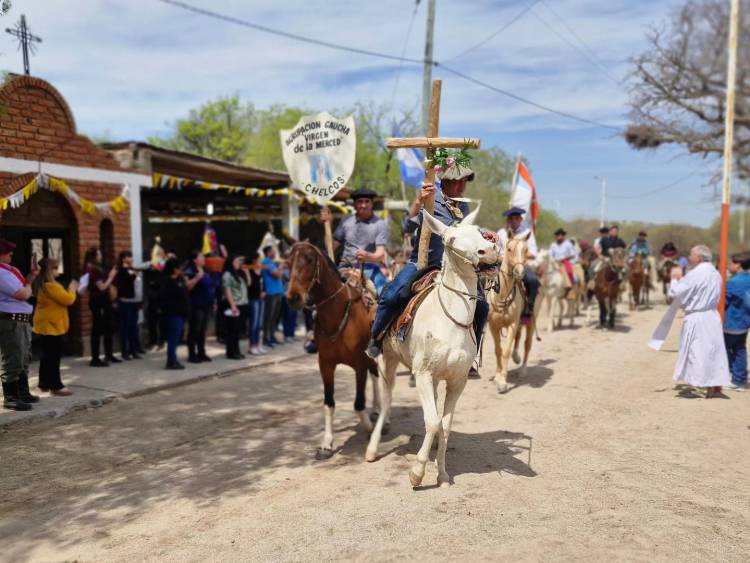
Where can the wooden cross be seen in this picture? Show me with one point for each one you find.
(430, 143)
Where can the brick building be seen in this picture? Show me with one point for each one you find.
(38, 136)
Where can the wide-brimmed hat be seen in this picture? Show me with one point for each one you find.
(560, 231)
(364, 193)
(456, 172)
(603, 230)
(514, 211)
(642, 234)
(6, 247)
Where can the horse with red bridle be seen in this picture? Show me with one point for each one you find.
(342, 328)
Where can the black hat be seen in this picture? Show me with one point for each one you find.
(362, 193)
(514, 211)
(642, 234)
(560, 231)
(603, 230)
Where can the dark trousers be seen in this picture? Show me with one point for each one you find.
(198, 324)
(101, 329)
(155, 322)
(736, 345)
(271, 317)
(49, 362)
(531, 282)
(394, 298)
(174, 335)
(289, 318)
(232, 326)
(129, 341)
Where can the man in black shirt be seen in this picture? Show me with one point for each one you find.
(612, 241)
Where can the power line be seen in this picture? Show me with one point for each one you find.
(302, 38)
(525, 101)
(272, 31)
(494, 34)
(658, 190)
(403, 51)
(583, 53)
(583, 43)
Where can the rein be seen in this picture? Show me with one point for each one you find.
(315, 306)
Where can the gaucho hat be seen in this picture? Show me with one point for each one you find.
(514, 211)
(560, 231)
(456, 173)
(364, 193)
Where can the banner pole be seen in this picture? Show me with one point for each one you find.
(514, 181)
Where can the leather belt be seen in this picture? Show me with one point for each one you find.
(20, 317)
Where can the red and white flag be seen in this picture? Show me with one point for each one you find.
(524, 195)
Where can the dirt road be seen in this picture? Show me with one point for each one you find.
(592, 456)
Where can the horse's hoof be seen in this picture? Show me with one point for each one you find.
(503, 388)
(444, 484)
(371, 456)
(412, 381)
(324, 453)
(516, 357)
(415, 479)
(374, 416)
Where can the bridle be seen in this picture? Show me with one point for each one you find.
(515, 283)
(315, 280)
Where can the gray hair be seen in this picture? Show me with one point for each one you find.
(704, 252)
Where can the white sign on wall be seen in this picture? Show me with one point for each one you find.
(319, 154)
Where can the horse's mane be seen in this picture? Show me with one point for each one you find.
(327, 258)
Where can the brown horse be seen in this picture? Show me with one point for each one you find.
(607, 286)
(638, 281)
(342, 328)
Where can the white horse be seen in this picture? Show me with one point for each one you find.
(555, 292)
(441, 344)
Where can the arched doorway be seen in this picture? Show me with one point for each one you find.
(46, 226)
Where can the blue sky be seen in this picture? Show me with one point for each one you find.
(128, 68)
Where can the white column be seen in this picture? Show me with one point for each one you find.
(290, 215)
(136, 234)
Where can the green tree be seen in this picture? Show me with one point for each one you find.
(221, 129)
(264, 146)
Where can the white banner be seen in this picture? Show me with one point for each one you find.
(319, 154)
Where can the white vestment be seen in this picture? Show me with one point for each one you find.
(702, 357)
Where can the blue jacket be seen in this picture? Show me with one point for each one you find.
(737, 311)
(444, 215)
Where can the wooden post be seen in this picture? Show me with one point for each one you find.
(429, 204)
(328, 233)
(728, 148)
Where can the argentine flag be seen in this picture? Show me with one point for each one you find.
(411, 163)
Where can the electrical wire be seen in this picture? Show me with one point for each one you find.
(657, 190)
(583, 53)
(403, 52)
(296, 37)
(572, 31)
(494, 34)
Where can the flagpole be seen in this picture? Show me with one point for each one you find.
(515, 180)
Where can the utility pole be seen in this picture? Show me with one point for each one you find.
(603, 216)
(734, 18)
(427, 73)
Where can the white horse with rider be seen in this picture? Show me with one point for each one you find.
(440, 345)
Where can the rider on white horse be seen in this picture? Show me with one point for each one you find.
(530, 280)
(450, 207)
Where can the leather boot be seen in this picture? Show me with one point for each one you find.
(24, 393)
(11, 400)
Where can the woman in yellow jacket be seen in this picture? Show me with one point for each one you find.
(51, 323)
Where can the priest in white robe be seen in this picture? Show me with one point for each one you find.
(702, 357)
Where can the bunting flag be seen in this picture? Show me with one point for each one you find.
(165, 181)
(523, 195)
(42, 181)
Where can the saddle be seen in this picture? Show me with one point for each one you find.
(353, 278)
(420, 287)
